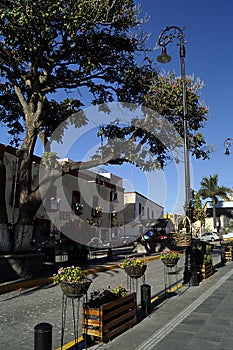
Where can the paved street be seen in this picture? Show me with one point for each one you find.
(21, 310)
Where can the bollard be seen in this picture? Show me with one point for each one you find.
(223, 258)
(43, 336)
(146, 298)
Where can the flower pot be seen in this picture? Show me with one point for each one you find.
(75, 289)
(135, 271)
(170, 262)
(183, 240)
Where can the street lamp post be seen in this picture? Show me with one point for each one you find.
(166, 36)
(227, 143)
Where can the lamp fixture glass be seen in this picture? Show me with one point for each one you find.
(164, 57)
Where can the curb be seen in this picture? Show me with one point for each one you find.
(11, 286)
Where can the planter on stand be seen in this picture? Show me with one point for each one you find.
(133, 275)
(73, 291)
(170, 262)
(170, 268)
(135, 271)
(110, 319)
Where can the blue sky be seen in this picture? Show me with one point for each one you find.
(209, 55)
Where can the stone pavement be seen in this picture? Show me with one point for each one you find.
(196, 318)
(22, 309)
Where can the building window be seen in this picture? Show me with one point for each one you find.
(113, 195)
(148, 213)
(14, 200)
(96, 209)
(51, 199)
(140, 210)
(76, 205)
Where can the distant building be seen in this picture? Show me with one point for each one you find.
(164, 226)
(224, 215)
(175, 219)
(140, 213)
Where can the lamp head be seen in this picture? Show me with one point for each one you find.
(164, 57)
(227, 152)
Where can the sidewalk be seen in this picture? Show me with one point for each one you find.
(196, 318)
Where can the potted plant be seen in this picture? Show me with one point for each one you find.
(169, 257)
(72, 281)
(108, 313)
(207, 266)
(134, 267)
(98, 297)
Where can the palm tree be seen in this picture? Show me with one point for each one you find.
(211, 189)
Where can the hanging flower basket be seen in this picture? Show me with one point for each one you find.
(73, 281)
(170, 262)
(135, 271)
(169, 257)
(75, 289)
(183, 239)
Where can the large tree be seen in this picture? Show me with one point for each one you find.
(48, 46)
(209, 188)
(64, 45)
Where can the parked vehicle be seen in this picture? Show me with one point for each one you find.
(157, 237)
(95, 243)
(210, 237)
(227, 236)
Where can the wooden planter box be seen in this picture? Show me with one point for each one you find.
(110, 319)
(207, 270)
(228, 256)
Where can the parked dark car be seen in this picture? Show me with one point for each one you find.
(157, 237)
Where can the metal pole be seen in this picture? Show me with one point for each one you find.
(186, 143)
(164, 39)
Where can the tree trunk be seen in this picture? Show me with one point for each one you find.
(5, 243)
(24, 226)
(23, 237)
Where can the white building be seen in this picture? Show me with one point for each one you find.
(224, 215)
(140, 213)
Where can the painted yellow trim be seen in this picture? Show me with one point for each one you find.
(9, 287)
